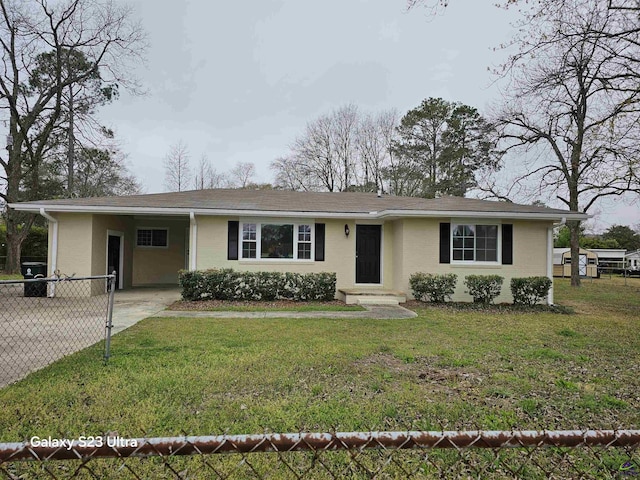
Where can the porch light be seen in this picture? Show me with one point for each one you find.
(346, 230)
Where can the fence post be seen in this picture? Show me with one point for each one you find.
(111, 286)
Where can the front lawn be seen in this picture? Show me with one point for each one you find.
(442, 370)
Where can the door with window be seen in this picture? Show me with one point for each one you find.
(368, 253)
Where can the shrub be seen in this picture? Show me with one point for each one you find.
(483, 288)
(529, 290)
(434, 288)
(227, 284)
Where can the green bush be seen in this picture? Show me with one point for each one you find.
(529, 290)
(35, 245)
(483, 288)
(433, 288)
(227, 284)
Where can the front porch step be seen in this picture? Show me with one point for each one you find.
(374, 300)
(371, 296)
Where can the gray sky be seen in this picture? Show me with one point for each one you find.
(238, 81)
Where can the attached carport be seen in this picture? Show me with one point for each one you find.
(143, 250)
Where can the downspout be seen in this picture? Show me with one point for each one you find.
(550, 257)
(54, 249)
(193, 241)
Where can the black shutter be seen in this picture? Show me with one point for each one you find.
(232, 240)
(507, 244)
(319, 254)
(445, 242)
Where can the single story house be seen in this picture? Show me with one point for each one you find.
(587, 263)
(370, 241)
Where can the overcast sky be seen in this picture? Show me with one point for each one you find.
(238, 81)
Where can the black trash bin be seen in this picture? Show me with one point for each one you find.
(34, 270)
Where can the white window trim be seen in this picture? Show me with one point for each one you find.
(152, 246)
(276, 221)
(498, 260)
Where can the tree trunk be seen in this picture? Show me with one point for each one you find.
(574, 232)
(13, 254)
(71, 154)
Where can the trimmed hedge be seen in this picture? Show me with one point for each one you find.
(228, 284)
(483, 288)
(529, 290)
(434, 288)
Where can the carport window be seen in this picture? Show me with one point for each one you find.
(152, 237)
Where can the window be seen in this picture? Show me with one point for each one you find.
(249, 243)
(152, 237)
(285, 241)
(304, 242)
(276, 241)
(475, 243)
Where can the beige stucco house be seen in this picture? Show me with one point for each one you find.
(368, 240)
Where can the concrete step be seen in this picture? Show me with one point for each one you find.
(377, 300)
(371, 296)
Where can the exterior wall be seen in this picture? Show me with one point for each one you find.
(398, 253)
(339, 252)
(420, 244)
(153, 265)
(75, 233)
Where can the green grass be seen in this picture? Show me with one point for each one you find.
(10, 276)
(441, 370)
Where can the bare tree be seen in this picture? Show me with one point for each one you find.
(241, 176)
(572, 108)
(374, 139)
(289, 175)
(109, 40)
(205, 176)
(325, 156)
(177, 175)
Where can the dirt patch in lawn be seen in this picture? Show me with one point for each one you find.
(284, 305)
(422, 369)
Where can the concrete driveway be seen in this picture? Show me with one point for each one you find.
(37, 331)
(131, 306)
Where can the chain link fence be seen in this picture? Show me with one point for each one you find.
(42, 320)
(449, 454)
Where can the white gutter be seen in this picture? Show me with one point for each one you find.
(298, 214)
(54, 248)
(193, 236)
(550, 263)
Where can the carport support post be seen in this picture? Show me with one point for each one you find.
(111, 281)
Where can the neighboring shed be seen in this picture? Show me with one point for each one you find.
(632, 261)
(588, 261)
(610, 259)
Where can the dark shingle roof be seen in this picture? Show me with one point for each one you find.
(289, 201)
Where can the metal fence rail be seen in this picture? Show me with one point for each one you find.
(42, 320)
(412, 454)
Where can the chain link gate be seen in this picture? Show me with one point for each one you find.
(44, 319)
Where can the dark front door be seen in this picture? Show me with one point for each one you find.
(368, 253)
(113, 258)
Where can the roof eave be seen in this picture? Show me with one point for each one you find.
(180, 211)
(550, 216)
